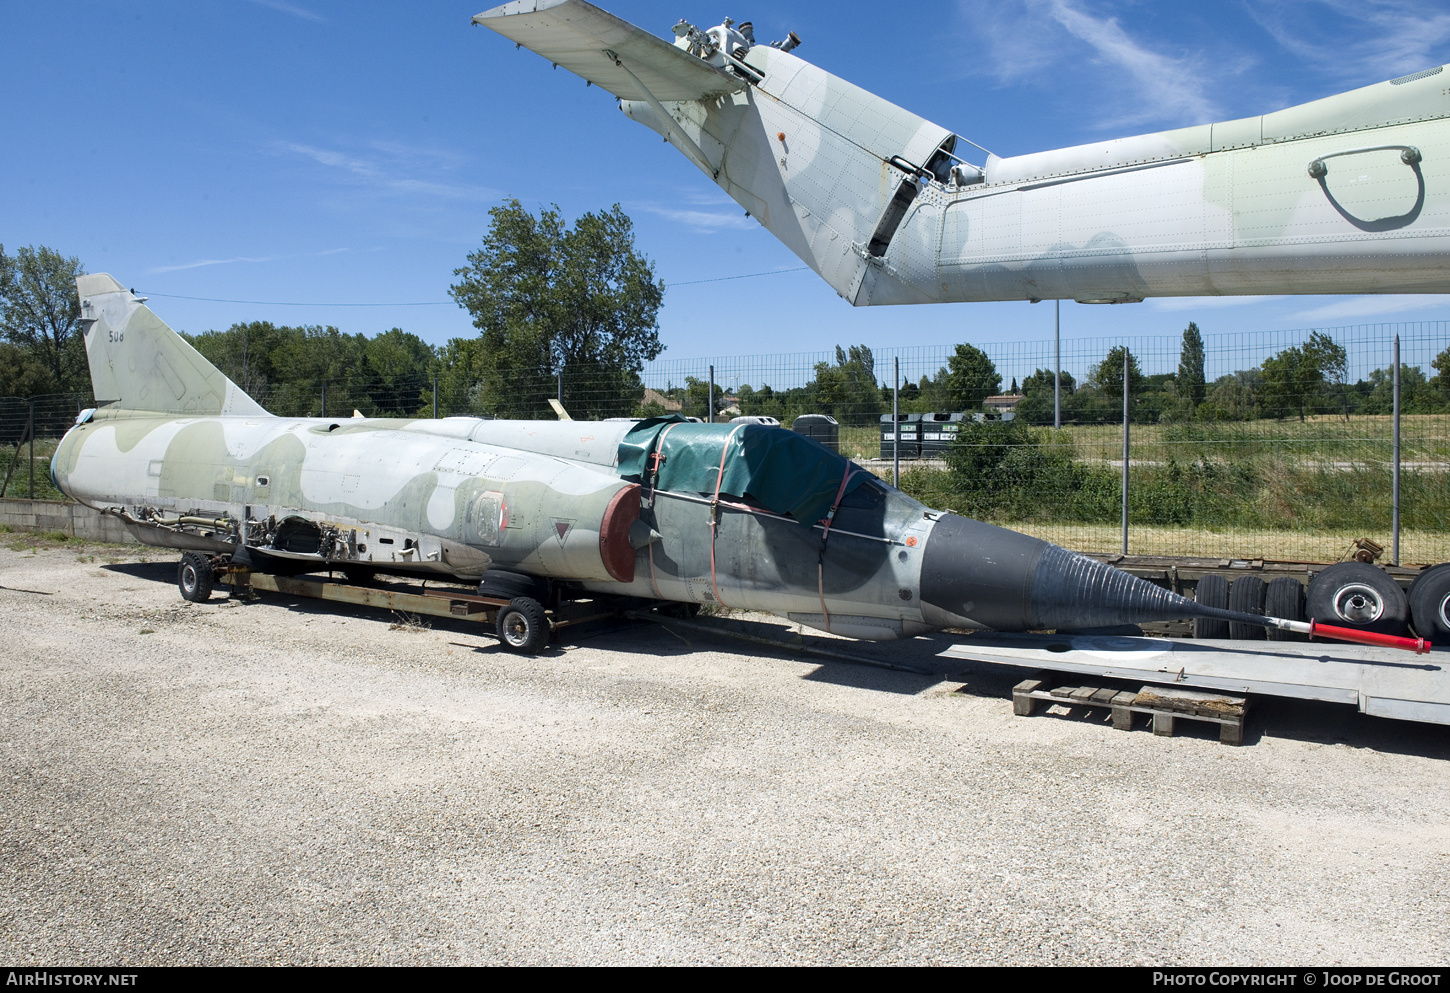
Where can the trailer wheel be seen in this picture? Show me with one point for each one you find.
(1246, 595)
(523, 627)
(1430, 604)
(1285, 598)
(194, 577)
(1358, 595)
(1212, 592)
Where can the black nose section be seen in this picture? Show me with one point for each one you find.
(1009, 581)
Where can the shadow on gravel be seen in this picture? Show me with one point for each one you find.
(157, 572)
(1274, 717)
(863, 677)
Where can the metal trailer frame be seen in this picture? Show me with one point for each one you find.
(441, 601)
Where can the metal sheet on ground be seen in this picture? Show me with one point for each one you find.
(1380, 681)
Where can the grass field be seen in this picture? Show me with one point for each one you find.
(1423, 438)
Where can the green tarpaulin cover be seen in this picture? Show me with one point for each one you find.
(783, 471)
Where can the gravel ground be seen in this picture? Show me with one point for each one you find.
(284, 782)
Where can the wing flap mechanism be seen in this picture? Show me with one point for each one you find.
(611, 53)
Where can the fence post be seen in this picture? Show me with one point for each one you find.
(1125, 450)
(32, 448)
(324, 398)
(710, 406)
(1057, 364)
(1395, 497)
(435, 398)
(896, 424)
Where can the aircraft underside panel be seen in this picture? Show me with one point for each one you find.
(1245, 221)
(1350, 194)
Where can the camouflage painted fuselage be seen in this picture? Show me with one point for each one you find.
(459, 495)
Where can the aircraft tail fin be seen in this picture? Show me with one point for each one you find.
(138, 363)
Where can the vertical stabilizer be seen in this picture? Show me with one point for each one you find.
(138, 363)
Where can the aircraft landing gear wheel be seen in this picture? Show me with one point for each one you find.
(1358, 595)
(1285, 598)
(194, 577)
(1247, 596)
(1430, 604)
(1212, 592)
(523, 627)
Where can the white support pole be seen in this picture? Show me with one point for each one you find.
(1125, 450)
(896, 424)
(1395, 497)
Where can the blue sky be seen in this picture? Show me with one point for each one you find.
(330, 153)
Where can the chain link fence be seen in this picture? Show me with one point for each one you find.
(1286, 450)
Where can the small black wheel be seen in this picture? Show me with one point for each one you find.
(1285, 598)
(1358, 595)
(194, 577)
(1212, 592)
(523, 627)
(1430, 604)
(1246, 595)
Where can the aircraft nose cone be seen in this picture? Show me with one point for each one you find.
(1009, 581)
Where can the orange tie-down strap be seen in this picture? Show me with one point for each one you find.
(826, 522)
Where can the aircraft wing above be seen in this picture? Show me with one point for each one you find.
(575, 35)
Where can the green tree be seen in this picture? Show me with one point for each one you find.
(1417, 396)
(1297, 377)
(40, 312)
(1192, 387)
(542, 294)
(968, 379)
(1441, 365)
(245, 353)
(848, 390)
(1107, 375)
(1235, 397)
(1038, 394)
(1333, 362)
(400, 368)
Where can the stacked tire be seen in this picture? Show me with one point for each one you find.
(1430, 604)
(1347, 594)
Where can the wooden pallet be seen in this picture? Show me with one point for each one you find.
(1164, 704)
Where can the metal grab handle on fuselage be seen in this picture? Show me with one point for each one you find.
(1409, 155)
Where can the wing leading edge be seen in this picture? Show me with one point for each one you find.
(576, 35)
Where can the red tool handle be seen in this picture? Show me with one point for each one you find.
(1417, 645)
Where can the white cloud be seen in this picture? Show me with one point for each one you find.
(1171, 85)
(1373, 306)
(1391, 37)
(384, 171)
(1205, 303)
(292, 9)
(243, 258)
(1135, 80)
(704, 221)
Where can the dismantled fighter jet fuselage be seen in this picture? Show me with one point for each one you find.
(880, 204)
(739, 515)
(1349, 194)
